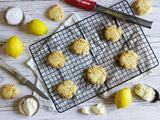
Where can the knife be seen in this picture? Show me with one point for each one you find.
(92, 5)
(22, 78)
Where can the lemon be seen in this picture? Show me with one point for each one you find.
(123, 98)
(37, 27)
(14, 47)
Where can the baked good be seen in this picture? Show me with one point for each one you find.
(128, 59)
(56, 13)
(80, 46)
(56, 59)
(9, 91)
(142, 7)
(96, 74)
(113, 33)
(66, 89)
(145, 92)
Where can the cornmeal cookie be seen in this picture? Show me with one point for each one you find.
(113, 33)
(66, 89)
(96, 74)
(128, 59)
(9, 91)
(80, 46)
(142, 7)
(56, 13)
(56, 59)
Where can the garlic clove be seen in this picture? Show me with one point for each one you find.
(99, 109)
(85, 110)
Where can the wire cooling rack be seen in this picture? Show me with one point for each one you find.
(102, 53)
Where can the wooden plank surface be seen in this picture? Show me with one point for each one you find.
(37, 9)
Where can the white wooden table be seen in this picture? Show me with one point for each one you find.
(34, 9)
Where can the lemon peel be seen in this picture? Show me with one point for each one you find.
(123, 98)
(14, 47)
(37, 27)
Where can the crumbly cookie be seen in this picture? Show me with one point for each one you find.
(96, 74)
(56, 13)
(128, 59)
(56, 59)
(145, 92)
(66, 89)
(80, 46)
(142, 7)
(113, 33)
(9, 91)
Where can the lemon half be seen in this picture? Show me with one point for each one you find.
(14, 47)
(123, 98)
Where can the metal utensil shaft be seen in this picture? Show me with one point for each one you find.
(123, 16)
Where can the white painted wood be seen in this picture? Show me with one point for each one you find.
(34, 9)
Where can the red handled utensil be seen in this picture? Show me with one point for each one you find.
(91, 5)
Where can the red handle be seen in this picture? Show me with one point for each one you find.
(84, 4)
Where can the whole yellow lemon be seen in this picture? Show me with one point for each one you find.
(37, 27)
(123, 98)
(14, 47)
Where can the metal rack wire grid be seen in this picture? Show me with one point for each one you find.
(102, 53)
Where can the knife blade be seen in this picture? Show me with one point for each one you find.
(22, 78)
(92, 5)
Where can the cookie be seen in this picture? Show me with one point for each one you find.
(66, 89)
(56, 59)
(9, 91)
(145, 92)
(113, 33)
(56, 13)
(142, 7)
(96, 74)
(80, 46)
(128, 60)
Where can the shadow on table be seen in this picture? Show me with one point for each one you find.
(15, 106)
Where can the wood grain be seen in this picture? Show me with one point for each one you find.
(37, 9)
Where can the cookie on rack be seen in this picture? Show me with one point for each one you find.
(67, 89)
(128, 59)
(80, 46)
(56, 13)
(56, 59)
(96, 74)
(113, 33)
(142, 7)
(9, 91)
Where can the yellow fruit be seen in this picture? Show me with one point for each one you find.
(14, 47)
(37, 27)
(123, 98)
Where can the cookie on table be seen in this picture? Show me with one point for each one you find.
(9, 91)
(67, 89)
(56, 13)
(80, 46)
(128, 59)
(142, 7)
(56, 59)
(113, 33)
(96, 74)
